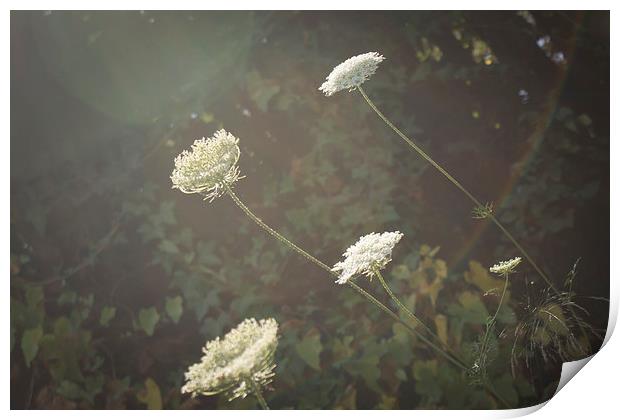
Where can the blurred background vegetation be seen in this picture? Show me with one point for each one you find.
(117, 281)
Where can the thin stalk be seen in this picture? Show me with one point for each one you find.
(355, 287)
(272, 232)
(402, 306)
(412, 330)
(469, 195)
(409, 328)
(259, 395)
(501, 299)
(457, 184)
(325, 267)
(491, 322)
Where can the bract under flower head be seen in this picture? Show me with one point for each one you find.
(351, 73)
(209, 166)
(245, 354)
(369, 253)
(505, 267)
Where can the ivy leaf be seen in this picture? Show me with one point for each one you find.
(107, 314)
(480, 277)
(34, 296)
(67, 297)
(148, 319)
(30, 343)
(341, 349)
(168, 246)
(368, 365)
(174, 308)
(309, 349)
(425, 375)
(70, 390)
(150, 395)
(471, 309)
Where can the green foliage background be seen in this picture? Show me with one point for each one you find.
(117, 281)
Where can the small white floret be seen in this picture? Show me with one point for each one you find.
(245, 354)
(505, 267)
(209, 167)
(371, 252)
(351, 73)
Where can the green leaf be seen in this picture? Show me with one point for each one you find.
(174, 308)
(67, 297)
(309, 349)
(150, 395)
(70, 390)
(168, 246)
(148, 319)
(368, 364)
(471, 309)
(34, 296)
(30, 343)
(425, 375)
(480, 276)
(107, 314)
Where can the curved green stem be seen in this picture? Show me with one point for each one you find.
(458, 185)
(492, 320)
(325, 267)
(476, 202)
(501, 299)
(355, 287)
(258, 393)
(273, 233)
(409, 328)
(402, 306)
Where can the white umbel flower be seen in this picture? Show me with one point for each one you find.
(229, 365)
(371, 252)
(505, 267)
(208, 167)
(351, 73)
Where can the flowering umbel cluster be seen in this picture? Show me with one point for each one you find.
(209, 167)
(371, 252)
(231, 364)
(351, 73)
(505, 267)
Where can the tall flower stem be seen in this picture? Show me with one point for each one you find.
(258, 393)
(489, 327)
(357, 288)
(457, 362)
(493, 319)
(456, 183)
(406, 310)
(272, 232)
(501, 299)
(409, 328)
(469, 195)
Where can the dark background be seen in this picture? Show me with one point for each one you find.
(102, 102)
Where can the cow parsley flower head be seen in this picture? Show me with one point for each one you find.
(505, 267)
(209, 167)
(231, 364)
(351, 73)
(371, 252)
